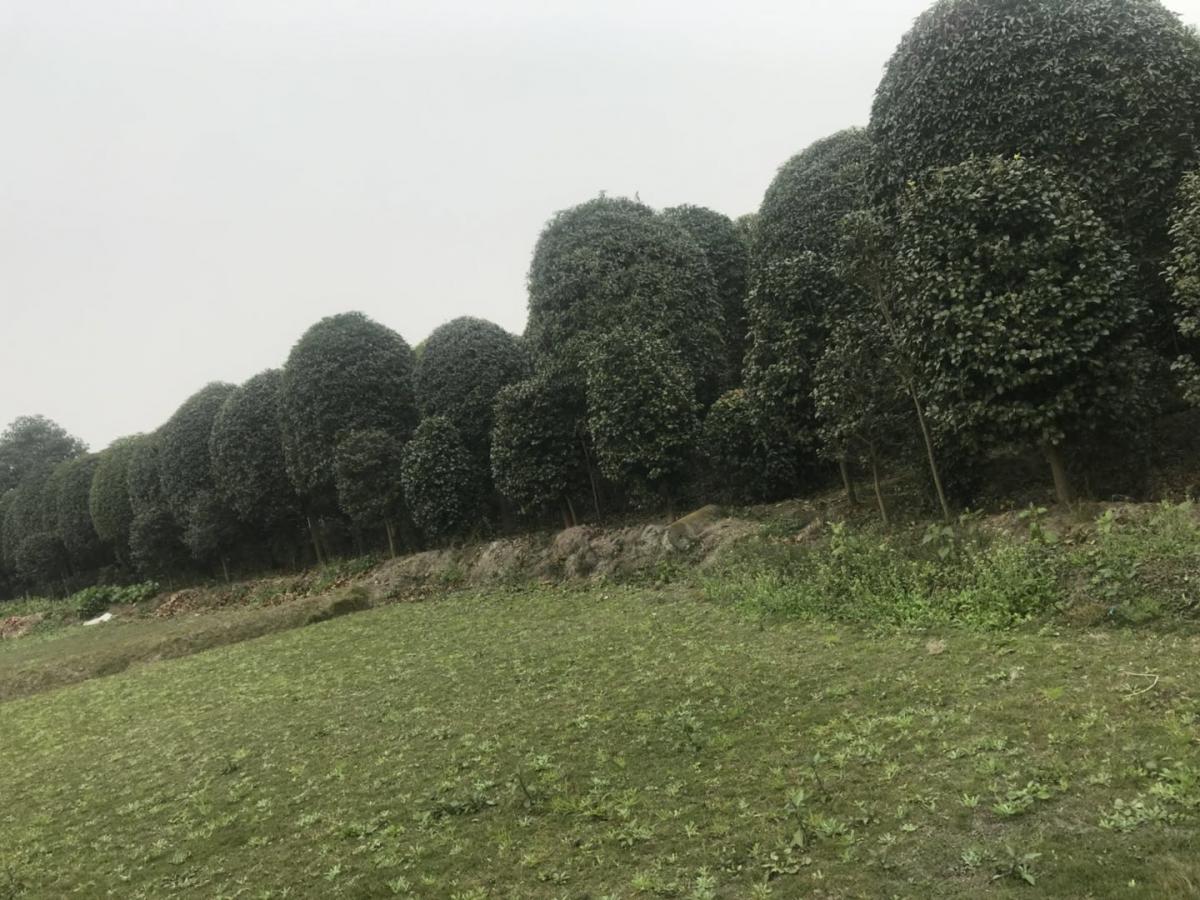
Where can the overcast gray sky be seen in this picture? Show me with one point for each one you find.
(186, 186)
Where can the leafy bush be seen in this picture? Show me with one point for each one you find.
(731, 442)
(97, 600)
(464, 365)
(41, 560)
(368, 471)
(1108, 91)
(108, 497)
(73, 517)
(184, 465)
(1183, 272)
(443, 486)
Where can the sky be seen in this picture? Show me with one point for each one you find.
(187, 185)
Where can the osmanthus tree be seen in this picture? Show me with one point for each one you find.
(796, 289)
(72, 515)
(732, 444)
(41, 561)
(641, 413)
(1018, 308)
(1106, 91)
(728, 253)
(246, 453)
(444, 487)
(463, 365)
(368, 471)
(862, 410)
(156, 546)
(108, 497)
(537, 456)
(346, 373)
(613, 263)
(1183, 272)
(34, 442)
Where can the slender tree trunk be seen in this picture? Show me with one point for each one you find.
(846, 482)
(316, 541)
(1062, 486)
(569, 513)
(883, 512)
(587, 458)
(391, 536)
(933, 466)
(225, 568)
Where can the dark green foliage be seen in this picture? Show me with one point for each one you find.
(108, 498)
(184, 466)
(728, 253)
(31, 510)
(41, 561)
(368, 472)
(246, 453)
(612, 263)
(1017, 309)
(733, 446)
(1106, 90)
(443, 485)
(1183, 272)
(211, 527)
(810, 194)
(145, 486)
(464, 365)
(32, 442)
(641, 412)
(156, 542)
(72, 514)
(789, 307)
(536, 451)
(345, 373)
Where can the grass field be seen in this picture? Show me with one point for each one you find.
(613, 742)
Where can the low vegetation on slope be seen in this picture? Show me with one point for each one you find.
(611, 741)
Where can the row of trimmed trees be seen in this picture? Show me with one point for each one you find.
(1006, 262)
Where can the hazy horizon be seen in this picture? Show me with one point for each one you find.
(185, 190)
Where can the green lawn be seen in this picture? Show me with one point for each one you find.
(613, 742)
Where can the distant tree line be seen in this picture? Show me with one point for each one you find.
(1005, 263)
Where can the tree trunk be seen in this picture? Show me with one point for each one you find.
(883, 512)
(587, 458)
(569, 512)
(391, 535)
(849, 485)
(225, 568)
(933, 466)
(1062, 487)
(316, 541)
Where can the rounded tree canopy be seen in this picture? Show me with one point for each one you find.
(443, 486)
(1107, 91)
(464, 365)
(612, 263)
(72, 515)
(184, 466)
(811, 192)
(1016, 307)
(32, 442)
(108, 498)
(145, 485)
(346, 373)
(246, 449)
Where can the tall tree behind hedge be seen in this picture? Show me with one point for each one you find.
(184, 465)
(246, 453)
(32, 442)
(1183, 272)
(611, 263)
(108, 498)
(1019, 309)
(1108, 91)
(464, 364)
(728, 254)
(346, 373)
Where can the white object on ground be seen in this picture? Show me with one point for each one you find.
(104, 617)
